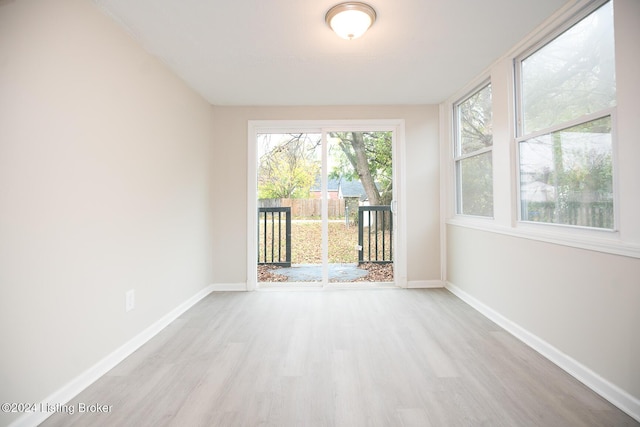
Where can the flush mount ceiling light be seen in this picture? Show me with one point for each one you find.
(350, 20)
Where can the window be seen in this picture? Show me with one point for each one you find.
(566, 98)
(473, 154)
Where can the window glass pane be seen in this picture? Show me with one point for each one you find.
(571, 76)
(475, 178)
(566, 176)
(474, 122)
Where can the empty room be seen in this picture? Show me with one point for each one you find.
(279, 213)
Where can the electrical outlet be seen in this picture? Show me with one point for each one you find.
(130, 300)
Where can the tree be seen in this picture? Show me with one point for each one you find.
(366, 156)
(288, 167)
(571, 76)
(475, 171)
(577, 164)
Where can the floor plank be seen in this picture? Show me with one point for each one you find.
(385, 357)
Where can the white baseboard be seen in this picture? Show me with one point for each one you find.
(84, 380)
(424, 284)
(614, 394)
(233, 287)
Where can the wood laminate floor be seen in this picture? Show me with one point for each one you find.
(338, 358)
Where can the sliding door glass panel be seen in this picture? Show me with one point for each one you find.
(289, 207)
(359, 193)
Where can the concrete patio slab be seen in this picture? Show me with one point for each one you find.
(313, 272)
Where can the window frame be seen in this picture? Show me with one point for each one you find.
(458, 157)
(520, 136)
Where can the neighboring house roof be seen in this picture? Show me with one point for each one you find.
(352, 189)
(333, 184)
(344, 187)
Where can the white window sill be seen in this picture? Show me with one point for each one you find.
(606, 241)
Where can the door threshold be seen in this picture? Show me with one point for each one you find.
(318, 286)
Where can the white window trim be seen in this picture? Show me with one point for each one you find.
(521, 136)
(606, 242)
(541, 41)
(457, 158)
(609, 112)
(598, 240)
(397, 126)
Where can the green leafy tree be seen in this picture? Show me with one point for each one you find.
(365, 156)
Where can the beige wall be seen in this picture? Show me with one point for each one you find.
(585, 303)
(422, 175)
(105, 160)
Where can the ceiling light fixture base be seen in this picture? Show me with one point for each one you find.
(350, 20)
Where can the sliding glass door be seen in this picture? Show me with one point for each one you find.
(323, 201)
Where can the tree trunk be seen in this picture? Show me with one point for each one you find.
(558, 178)
(361, 164)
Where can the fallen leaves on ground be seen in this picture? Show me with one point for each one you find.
(266, 274)
(306, 245)
(377, 272)
(306, 242)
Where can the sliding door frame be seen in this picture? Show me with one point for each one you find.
(396, 126)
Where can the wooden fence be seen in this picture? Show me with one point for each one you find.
(306, 208)
(590, 214)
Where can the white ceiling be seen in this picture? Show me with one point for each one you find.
(281, 52)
